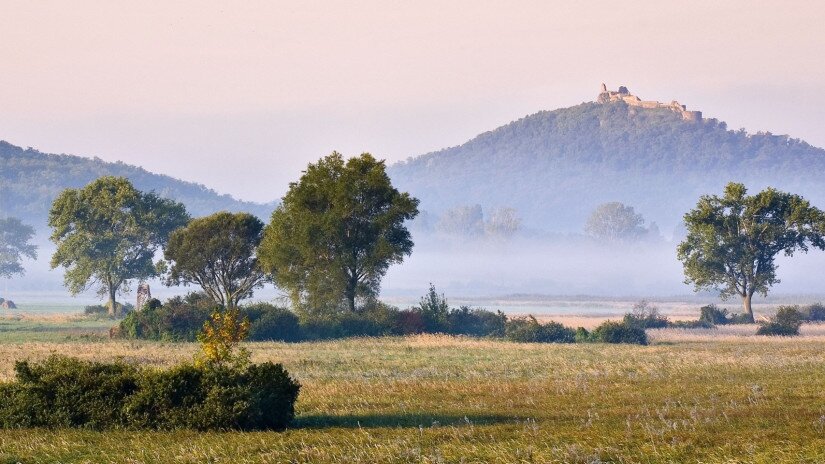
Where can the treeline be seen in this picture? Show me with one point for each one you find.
(554, 167)
(32, 180)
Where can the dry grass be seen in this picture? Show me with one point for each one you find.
(708, 396)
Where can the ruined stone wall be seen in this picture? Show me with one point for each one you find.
(609, 96)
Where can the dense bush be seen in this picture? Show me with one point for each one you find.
(103, 310)
(787, 321)
(719, 316)
(646, 316)
(180, 318)
(67, 392)
(528, 329)
(618, 332)
(272, 323)
(814, 312)
(476, 322)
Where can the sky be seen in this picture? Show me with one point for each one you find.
(240, 96)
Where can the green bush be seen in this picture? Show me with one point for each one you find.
(476, 322)
(272, 323)
(66, 392)
(719, 316)
(646, 316)
(814, 312)
(529, 330)
(619, 332)
(179, 319)
(786, 323)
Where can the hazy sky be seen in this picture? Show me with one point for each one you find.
(241, 95)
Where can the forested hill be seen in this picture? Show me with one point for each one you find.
(30, 180)
(554, 167)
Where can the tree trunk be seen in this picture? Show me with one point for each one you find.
(112, 302)
(351, 300)
(746, 303)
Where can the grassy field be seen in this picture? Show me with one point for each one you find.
(698, 396)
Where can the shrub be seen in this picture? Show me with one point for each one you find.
(476, 322)
(66, 392)
(529, 330)
(695, 324)
(619, 332)
(180, 319)
(646, 316)
(272, 323)
(434, 311)
(814, 312)
(786, 323)
(719, 316)
(410, 322)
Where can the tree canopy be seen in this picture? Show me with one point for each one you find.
(733, 240)
(107, 234)
(615, 222)
(217, 253)
(337, 231)
(14, 246)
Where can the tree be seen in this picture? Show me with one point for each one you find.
(615, 222)
(462, 220)
(503, 222)
(732, 241)
(217, 252)
(14, 246)
(107, 234)
(337, 231)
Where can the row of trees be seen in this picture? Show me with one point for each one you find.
(327, 245)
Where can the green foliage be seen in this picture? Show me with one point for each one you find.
(336, 233)
(217, 253)
(814, 312)
(107, 234)
(712, 314)
(179, 319)
(476, 322)
(694, 324)
(67, 392)
(434, 311)
(615, 222)
(529, 330)
(14, 246)
(646, 316)
(556, 166)
(32, 180)
(733, 240)
(785, 323)
(618, 332)
(272, 323)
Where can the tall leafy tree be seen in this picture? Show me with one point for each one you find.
(217, 253)
(615, 222)
(14, 246)
(107, 234)
(337, 231)
(732, 241)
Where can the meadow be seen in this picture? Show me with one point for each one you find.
(719, 395)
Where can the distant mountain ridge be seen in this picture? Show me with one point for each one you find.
(30, 180)
(555, 167)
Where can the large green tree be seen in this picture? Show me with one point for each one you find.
(337, 231)
(217, 253)
(14, 246)
(107, 234)
(732, 241)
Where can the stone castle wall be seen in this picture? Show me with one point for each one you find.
(623, 95)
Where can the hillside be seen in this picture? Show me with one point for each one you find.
(30, 180)
(554, 167)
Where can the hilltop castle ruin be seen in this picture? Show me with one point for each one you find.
(623, 95)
